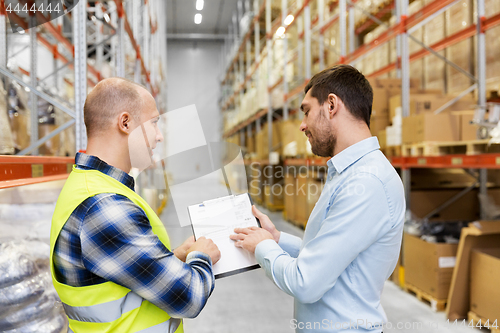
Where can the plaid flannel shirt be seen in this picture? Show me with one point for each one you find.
(109, 238)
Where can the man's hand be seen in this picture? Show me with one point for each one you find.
(266, 223)
(206, 246)
(182, 251)
(249, 238)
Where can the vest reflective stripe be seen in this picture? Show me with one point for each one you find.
(169, 326)
(105, 312)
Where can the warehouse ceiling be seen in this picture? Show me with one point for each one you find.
(216, 16)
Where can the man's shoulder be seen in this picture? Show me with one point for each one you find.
(107, 203)
(375, 165)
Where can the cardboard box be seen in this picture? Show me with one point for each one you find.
(254, 186)
(441, 127)
(293, 141)
(261, 141)
(420, 103)
(429, 266)
(276, 193)
(314, 189)
(430, 178)
(289, 196)
(430, 127)
(395, 276)
(468, 131)
(380, 106)
(478, 235)
(261, 149)
(484, 287)
(19, 125)
(250, 142)
(391, 83)
(409, 133)
(378, 124)
(301, 214)
(382, 139)
(464, 209)
(51, 147)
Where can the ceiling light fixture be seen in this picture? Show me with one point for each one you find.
(280, 32)
(197, 18)
(199, 4)
(289, 19)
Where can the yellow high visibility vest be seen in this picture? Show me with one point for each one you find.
(106, 307)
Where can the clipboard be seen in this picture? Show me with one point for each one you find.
(216, 219)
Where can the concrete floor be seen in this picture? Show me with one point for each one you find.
(250, 302)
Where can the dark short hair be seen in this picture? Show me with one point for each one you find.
(349, 85)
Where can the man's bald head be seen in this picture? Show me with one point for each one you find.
(107, 100)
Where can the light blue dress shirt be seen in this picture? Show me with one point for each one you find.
(351, 245)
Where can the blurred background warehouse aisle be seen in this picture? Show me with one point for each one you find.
(228, 79)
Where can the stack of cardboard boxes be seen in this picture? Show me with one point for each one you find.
(381, 118)
(387, 123)
(302, 191)
(422, 125)
(262, 141)
(484, 290)
(293, 142)
(428, 266)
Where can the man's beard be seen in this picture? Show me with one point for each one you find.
(324, 141)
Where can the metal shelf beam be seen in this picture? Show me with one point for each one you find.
(25, 170)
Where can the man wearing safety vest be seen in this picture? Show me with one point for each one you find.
(110, 253)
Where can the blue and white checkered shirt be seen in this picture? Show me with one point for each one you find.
(109, 238)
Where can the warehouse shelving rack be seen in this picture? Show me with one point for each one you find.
(113, 29)
(401, 31)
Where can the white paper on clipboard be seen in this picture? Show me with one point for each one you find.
(216, 220)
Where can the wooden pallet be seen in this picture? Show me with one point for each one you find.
(257, 201)
(274, 208)
(474, 147)
(296, 157)
(392, 151)
(435, 304)
(475, 319)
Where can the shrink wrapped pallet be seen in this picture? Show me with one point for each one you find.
(458, 17)
(6, 139)
(277, 97)
(492, 7)
(67, 146)
(332, 42)
(243, 114)
(252, 101)
(19, 114)
(434, 68)
(293, 141)
(493, 55)
(28, 302)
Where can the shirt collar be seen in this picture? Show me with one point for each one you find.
(352, 154)
(89, 162)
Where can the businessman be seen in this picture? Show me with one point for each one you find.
(353, 236)
(111, 260)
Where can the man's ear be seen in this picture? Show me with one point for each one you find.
(125, 122)
(332, 104)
